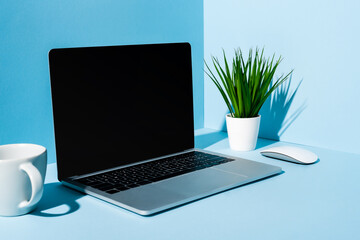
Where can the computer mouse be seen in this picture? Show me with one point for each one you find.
(291, 154)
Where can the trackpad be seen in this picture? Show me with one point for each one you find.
(206, 181)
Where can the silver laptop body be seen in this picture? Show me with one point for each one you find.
(169, 193)
(120, 106)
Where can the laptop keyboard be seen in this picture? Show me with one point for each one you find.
(154, 171)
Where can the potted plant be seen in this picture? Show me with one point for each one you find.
(244, 88)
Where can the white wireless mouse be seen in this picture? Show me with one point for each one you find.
(291, 154)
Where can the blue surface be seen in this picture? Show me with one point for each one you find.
(28, 30)
(318, 201)
(318, 39)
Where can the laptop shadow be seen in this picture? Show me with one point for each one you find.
(57, 200)
(208, 139)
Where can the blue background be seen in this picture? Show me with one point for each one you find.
(320, 41)
(317, 39)
(29, 29)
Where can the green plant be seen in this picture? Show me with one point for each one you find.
(246, 87)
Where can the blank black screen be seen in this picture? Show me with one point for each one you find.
(120, 104)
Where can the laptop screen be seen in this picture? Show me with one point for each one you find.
(118, 105)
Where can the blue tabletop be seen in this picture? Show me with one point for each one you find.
(319, 201)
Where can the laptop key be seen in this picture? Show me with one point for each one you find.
(119, 185)
(123, 188)
(95, 183)
(105, 188)
(159, 178)
(112, 191)
(85, 181)
(144, 182)
(102, 186)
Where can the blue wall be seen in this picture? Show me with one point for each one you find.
(320, 40)
(29, 29)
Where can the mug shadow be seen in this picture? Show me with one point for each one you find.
(56, 195)
(274, 120)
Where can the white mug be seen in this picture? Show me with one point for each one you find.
(22, 174)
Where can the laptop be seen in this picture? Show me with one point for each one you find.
(124, 128)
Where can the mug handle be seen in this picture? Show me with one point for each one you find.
(36, 184)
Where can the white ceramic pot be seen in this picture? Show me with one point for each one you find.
(242, 132)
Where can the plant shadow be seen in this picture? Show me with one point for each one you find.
(275, 110)
(56, 195)
(263, 142)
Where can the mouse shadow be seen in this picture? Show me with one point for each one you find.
(56, 195)
(274, 113)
